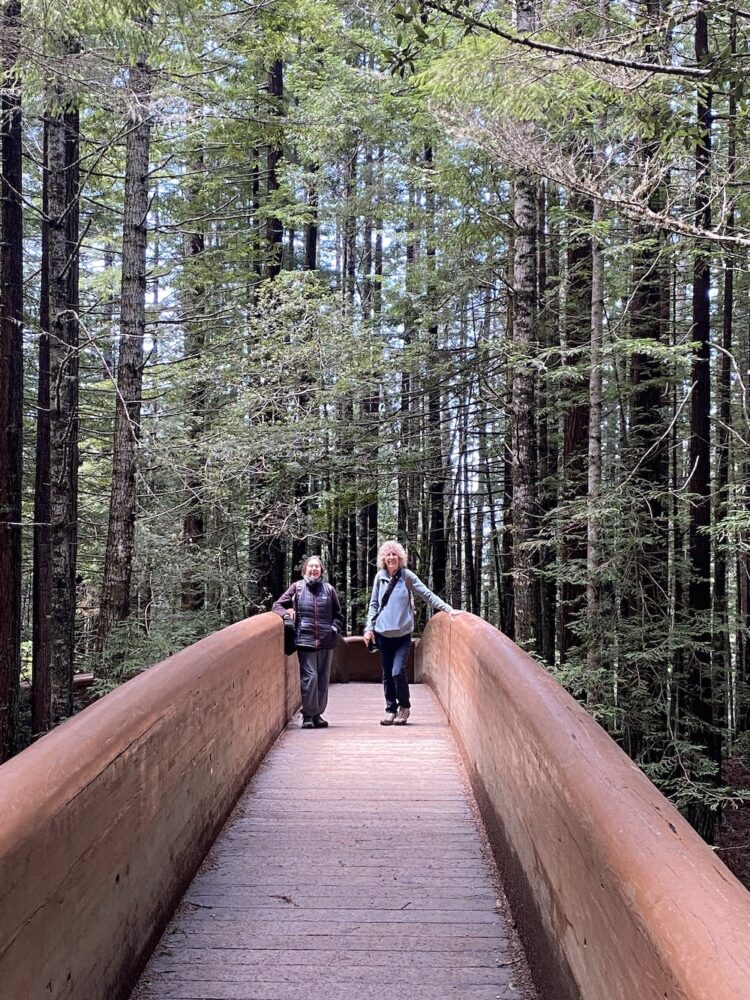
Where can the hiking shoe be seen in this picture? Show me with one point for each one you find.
(307, 723)
(319, 722)
(388, 719)
(402, 717)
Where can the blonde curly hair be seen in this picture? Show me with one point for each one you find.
(386, 548)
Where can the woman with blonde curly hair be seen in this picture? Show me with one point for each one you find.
(390, 623)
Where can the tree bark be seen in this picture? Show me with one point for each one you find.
(721, 647)
(274, 225)
(11, 380)
(593, 526)
(194, 522)
(311, 226)
(41, 694)
(63, 181)
(405, 521)
(437, 473)
(575, 416)
(118, 564)
(548, 278)
(699, 682)
(523, 424)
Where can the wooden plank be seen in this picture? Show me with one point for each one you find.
(352, 865)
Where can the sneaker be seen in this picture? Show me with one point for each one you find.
(402, 717)
(319, 722)
(307, 723)
(388, 719)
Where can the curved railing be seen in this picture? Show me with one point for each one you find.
(616, 896)
(105, 820)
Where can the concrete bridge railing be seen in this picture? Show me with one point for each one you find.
(617, 898)
(104, 821)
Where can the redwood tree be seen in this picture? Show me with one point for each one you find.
(63, 179)
(11, 380)
(115, 599)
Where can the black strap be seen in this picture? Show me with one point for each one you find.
(387, 595)
(295, 601)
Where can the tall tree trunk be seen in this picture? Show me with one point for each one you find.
(548, 278)
(645, 591)
(407, 394)
(593, 528)
(722, 648)
(194, 519)
(349, 248)
(118, 564)
(472, 584)
(63, 199)
(700, 688)
(575, 415)
(743, 564)
(311, 226)
(370, 402)
(274, 225)
(377, 293)
(270, 554)
(437, 474)
(508, 602)
(523, 424)
(645, 600)
(11, 379)
(41, 695)
(594, 554)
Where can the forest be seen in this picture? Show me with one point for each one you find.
(282, 277)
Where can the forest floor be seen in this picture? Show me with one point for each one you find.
(734, 835)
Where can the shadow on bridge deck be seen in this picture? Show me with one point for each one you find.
(352, 866)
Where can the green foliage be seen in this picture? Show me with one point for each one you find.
(282, 408)
(134, 646)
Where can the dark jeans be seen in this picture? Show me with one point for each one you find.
(394, 652)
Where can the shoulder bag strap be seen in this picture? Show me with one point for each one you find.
(387, 595)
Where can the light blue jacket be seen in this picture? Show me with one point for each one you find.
(397, 617)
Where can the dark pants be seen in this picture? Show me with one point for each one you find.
(394, 652)
(314, 675)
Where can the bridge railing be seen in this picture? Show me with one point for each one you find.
(105, 820)
(616, 896)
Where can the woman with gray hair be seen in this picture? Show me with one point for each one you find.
(390, 623)
(314, 606)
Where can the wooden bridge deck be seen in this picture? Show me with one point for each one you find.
(353, 867)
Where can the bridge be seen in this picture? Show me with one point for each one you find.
(351, 865)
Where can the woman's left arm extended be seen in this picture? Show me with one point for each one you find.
(285, 603)
(427, 595)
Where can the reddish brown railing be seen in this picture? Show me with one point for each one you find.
(104, 821)
(616, 896)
